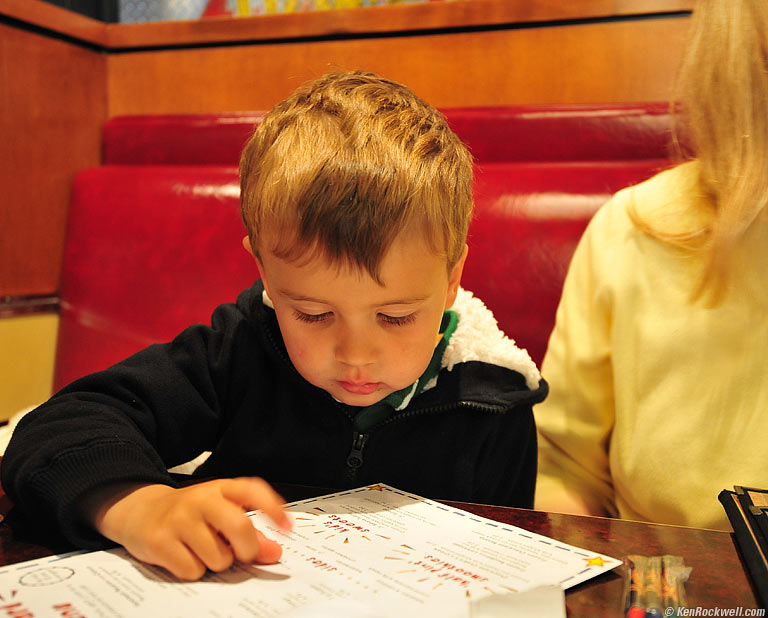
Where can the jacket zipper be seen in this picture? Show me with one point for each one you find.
(359, 440)
(355, 457)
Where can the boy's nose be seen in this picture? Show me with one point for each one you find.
(355, 349)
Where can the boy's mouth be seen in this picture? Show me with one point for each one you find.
(360, 388)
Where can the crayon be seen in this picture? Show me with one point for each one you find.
(674, 574)
(634, 587)
(653, 588)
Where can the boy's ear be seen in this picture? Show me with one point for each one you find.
(249, 248)
(455, 278)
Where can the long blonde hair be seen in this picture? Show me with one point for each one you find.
(723, 91)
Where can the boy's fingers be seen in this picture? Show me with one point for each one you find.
(269, 550)
(180, 561)
(208, 546)
(245, 542)
(255, 493)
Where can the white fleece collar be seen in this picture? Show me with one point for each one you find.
(479, 338)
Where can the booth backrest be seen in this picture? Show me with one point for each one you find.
(154, 234)
(610, 132)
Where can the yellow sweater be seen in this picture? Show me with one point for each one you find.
(656, 404)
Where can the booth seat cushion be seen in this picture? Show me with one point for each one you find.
(149, 251)
(152, 249)
(195, 139)
(613, 132)
(493, 134)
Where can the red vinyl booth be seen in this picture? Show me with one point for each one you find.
(153, 240)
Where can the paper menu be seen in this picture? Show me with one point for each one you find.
(374, 551)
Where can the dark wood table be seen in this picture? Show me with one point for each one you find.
(717, 580)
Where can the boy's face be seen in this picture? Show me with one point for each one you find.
(350, 336)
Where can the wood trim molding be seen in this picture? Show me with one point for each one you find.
(11, 306)
(369, 21)
(380, 20)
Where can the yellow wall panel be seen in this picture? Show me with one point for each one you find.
(27, 345)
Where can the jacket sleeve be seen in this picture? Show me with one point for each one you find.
(575, 422)
(129, 423)
(518, 480)
(510, 454)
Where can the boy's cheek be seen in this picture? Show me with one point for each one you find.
(299, 352)
(308, 356)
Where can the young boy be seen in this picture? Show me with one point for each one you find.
(340, 367)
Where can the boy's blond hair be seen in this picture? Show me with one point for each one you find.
(345, 164)
(723, 84)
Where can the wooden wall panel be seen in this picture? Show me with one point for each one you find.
(52, 105)
(611, 61)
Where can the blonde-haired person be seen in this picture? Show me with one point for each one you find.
(658, 365)
(355, 359)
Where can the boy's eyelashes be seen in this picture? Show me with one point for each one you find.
(314, 318)
(397, 320)
(311, 317)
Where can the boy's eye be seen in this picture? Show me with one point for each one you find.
(399, 320)
(311, 317)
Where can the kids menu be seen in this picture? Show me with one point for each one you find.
(371, 552)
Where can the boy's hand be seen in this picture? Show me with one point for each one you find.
(192, 529)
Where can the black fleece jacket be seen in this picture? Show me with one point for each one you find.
(230, 388)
